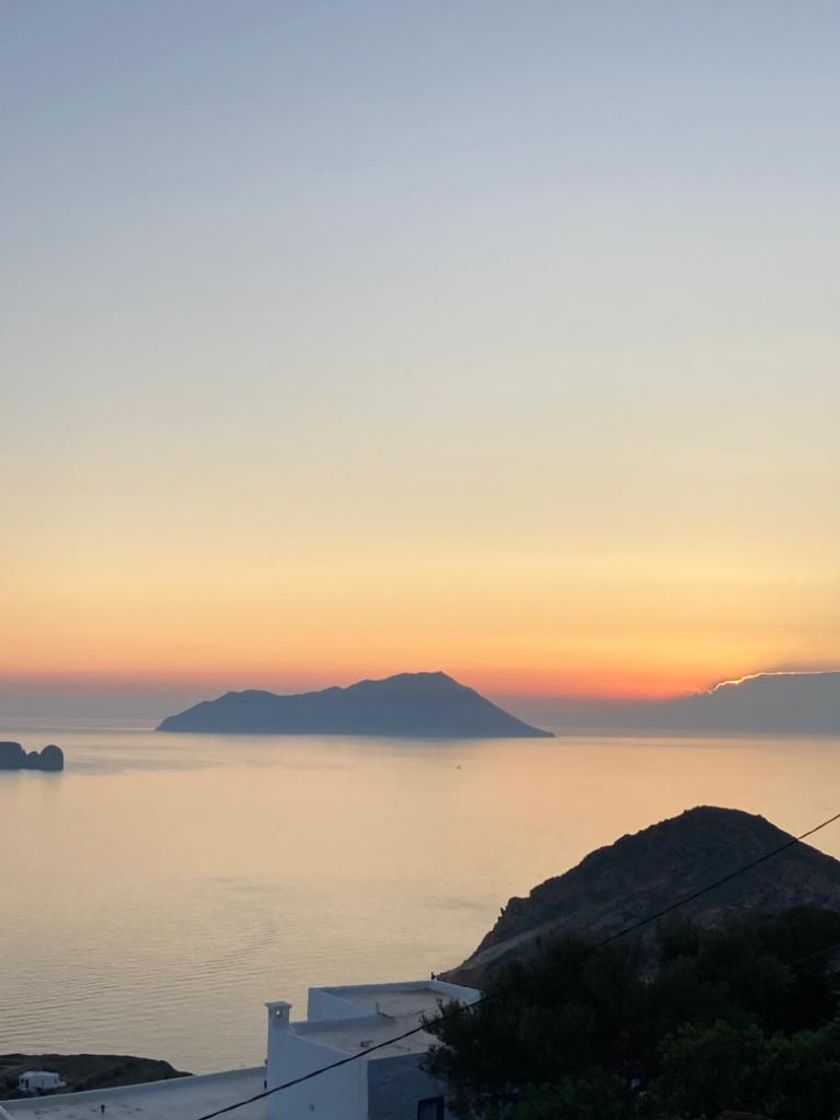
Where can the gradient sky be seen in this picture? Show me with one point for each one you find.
(346, 338)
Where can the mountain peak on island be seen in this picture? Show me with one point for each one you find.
(407, 705)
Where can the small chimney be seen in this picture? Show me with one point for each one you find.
(278, 1015)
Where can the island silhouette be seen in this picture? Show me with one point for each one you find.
(14, 757)
(408, 705)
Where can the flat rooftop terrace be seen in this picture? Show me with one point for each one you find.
(387, 1010)
(182, 1098)
(422, 999)
(352, 1035)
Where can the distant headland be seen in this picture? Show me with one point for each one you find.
(409, 705)
(14, 757)
(786, 703)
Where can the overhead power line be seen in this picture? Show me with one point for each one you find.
(461, 1008)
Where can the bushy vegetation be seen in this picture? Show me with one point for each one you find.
(689, 1026)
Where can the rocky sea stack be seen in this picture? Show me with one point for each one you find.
(14, 757)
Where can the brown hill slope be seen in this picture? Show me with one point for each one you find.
(84, 1071)
(641, 874)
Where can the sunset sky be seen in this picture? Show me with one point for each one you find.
(341, 339)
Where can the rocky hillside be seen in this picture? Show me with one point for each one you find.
(641, 874)
(84, 1071)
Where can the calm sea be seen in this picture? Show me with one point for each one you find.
(163, 887)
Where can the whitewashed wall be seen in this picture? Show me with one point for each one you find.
(338, 1095)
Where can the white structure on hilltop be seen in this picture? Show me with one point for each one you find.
(389, 1084)
(39, 1081)
(179, 1098)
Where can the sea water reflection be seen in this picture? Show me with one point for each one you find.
(157, 892)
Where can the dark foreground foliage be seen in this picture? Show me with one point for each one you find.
(699, 1023)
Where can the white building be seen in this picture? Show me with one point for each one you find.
(388, 1084)
(179, 1098)
(39, 1081)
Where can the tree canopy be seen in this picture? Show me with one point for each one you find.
(687, 1024)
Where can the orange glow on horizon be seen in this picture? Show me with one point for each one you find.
(509, 625)
(594, 684)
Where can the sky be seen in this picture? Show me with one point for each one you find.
(342, 339)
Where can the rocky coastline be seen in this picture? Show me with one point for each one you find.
(81, 1072)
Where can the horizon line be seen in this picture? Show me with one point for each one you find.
(132, 683)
